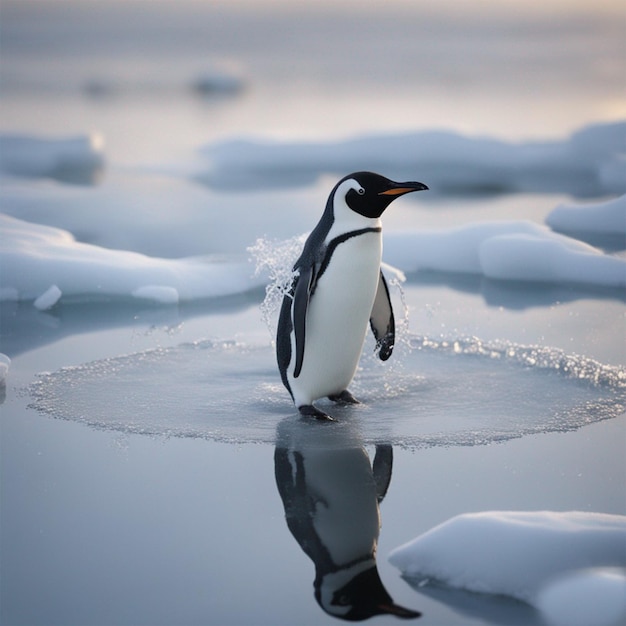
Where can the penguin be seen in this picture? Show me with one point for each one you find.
(331, 493)
(338, 287)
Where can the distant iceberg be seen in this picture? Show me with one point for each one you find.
(592, 162)
(74, 159)
(599, 217)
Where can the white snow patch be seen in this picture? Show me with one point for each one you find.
(505, 251)
(526, 555)
(33, 257)
(599, 217)
(48, 299)
(73, 159)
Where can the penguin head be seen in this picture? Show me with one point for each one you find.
(360, 597)
(369, 194)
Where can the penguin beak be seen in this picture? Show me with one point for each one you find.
(399, 611)
(399, 189)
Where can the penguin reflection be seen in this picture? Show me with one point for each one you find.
(331, 496)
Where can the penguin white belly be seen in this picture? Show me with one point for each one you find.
(346, 517)
(337, 319)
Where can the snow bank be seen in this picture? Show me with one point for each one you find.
(505, 251)
(601, 217)
(43, 264)
(76, 159)
(528, 556)
(590, 162)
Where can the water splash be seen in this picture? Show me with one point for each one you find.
(276, 258)
(572, 366)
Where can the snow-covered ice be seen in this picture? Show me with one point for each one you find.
(502, 250)
(161, 215)
(589, 162)
(594, 217)
(543, 558)
(505, 251)
(73, 159)
(34, 257)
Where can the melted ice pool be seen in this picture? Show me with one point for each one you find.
(436, 393)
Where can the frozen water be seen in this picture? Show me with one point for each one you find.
(556, 557)
(48, 298)
(439, 393)
(594, 217)
(507, 250)
(450, 162)
(35, 257)
(74, 159)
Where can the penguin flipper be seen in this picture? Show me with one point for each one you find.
(302, 293)
(382, 320)
(382, 468)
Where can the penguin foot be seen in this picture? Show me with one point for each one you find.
(308, 410)
(345, 397)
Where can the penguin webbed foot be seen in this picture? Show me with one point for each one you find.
(345, 397)
(308, 410)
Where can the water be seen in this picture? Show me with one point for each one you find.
(138, 441)
(440, 394)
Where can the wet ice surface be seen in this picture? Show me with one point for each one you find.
(444, 393)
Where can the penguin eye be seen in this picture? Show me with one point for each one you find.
(361, 191)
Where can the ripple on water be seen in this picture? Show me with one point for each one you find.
(435, 393)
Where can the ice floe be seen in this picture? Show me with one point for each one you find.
(589, 163)
(512, 250)
(543, 558)
(73, 159)
(158, 215)
(41, 262)
(48, 298)
(133, 223)
(45, 264)
(607, 217)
